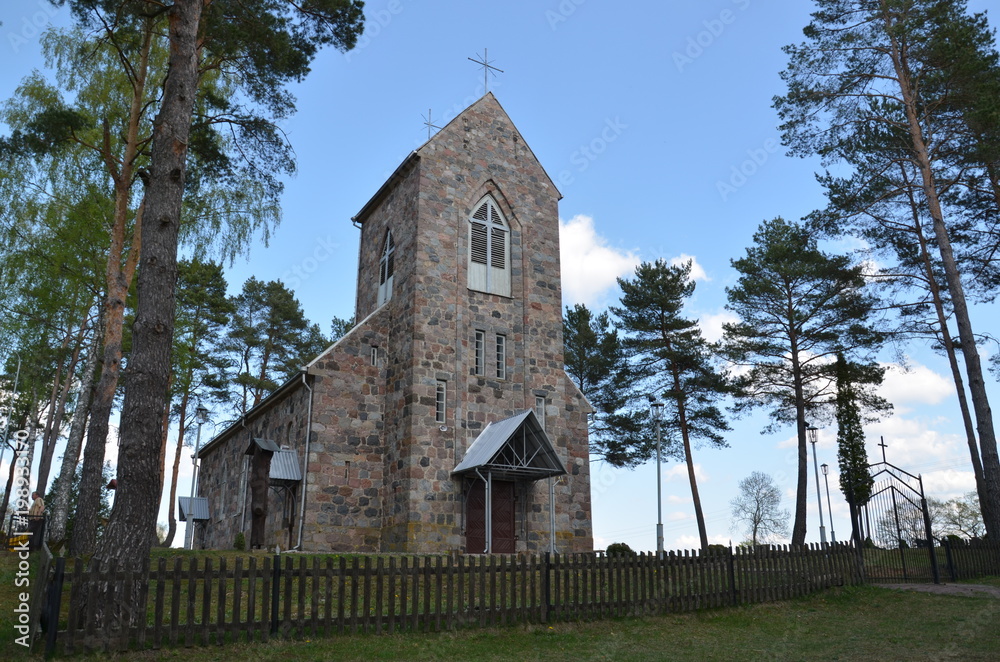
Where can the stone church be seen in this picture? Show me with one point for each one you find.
(443, 421)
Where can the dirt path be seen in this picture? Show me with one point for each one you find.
(966, 590)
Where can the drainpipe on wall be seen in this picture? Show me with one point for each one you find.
(552, 516)
(243, 484)
(305, 460)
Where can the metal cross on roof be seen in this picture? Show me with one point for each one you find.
(487, 70)
(884, 446)
(429, 124)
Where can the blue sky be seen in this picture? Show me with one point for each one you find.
(655, 120)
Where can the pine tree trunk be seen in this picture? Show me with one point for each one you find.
(172, 514)
(118, 279)
(689, 460)
(950, 352)
(973, 367)
(71, 456)
(802, 480)
(128, 536)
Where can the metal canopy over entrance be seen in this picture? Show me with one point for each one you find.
(513, 450)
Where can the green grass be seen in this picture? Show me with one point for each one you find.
(857, 623)
(862, 623)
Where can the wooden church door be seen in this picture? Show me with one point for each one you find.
(503, 518)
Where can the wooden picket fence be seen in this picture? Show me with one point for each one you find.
(969, 559)
(197, 602)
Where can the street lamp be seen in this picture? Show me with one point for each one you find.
(829, 504)
(813, 438)
(656, 411)
(200, 415)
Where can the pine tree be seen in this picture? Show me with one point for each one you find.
(917, 75)
(595, 360)
(799, 307)
(670, 357)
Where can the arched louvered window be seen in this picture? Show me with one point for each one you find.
(386, 268)
(489, 249)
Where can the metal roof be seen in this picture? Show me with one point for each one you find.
(514, 448)
(197, 507)
(285, 465)
(263, 444)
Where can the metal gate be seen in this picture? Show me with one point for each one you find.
(895, 528)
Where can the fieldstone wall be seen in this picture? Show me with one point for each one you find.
(379, 462)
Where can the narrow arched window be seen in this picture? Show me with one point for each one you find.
(489, 249)
(386, 268)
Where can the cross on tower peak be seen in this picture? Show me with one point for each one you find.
(487, 69)
(429, 123)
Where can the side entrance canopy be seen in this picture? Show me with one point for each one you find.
(513, 450)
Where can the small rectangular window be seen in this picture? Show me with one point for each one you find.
(501, 356)
(439, 401)
(374, 355)
(540, 410)
(480, 352)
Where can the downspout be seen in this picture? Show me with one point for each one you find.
(552, 516)
(489, 511)
(243, 497)
(488, 532)
(305, 460)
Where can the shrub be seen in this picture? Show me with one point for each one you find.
(620, 549)
(241, 542)
(717, 550)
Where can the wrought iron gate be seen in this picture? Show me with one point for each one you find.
(895, 528)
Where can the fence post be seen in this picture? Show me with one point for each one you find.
(546, 566)
(732, 576)
(53, 605)
(950, 559)
(929, 533)
(275, 592)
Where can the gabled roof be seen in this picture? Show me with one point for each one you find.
(196, 508)
(514, 448)
(415, 155)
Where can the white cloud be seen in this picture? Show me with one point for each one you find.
(697, 271)
(711, 324)
(916, 384)
(949, 483)
(590, 267)
(677, 516)
(673, 498)
(680, 472)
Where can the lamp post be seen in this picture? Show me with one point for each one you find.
(829, 504)
(813, 438)
(656, 411)
(200, 415)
